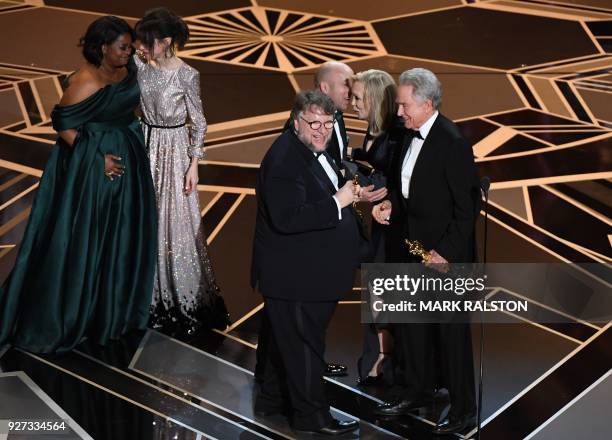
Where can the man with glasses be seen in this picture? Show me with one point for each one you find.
(333, 78)
(305, 251)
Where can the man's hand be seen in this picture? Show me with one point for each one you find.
(436, 262)
(382, 212)
(368, 194)
(346, 195)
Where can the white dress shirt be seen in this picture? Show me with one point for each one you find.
(340, 140)
(332, 176)
(413, 154)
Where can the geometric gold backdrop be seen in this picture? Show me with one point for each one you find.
(528, 82)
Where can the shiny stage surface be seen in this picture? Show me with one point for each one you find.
(530, 85)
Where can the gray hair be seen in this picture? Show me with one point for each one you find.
(425, 85)
(304, 100)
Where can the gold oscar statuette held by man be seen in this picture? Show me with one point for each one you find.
(356, 191)
(416, 248)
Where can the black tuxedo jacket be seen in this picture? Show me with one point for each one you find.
(334, 145)
(333, 148)
(444, 197)
(301, 250)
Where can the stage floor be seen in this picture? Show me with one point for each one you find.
(529, 84)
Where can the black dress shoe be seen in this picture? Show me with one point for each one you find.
(335, 370)
(400, 407)
(336, 427)
(452, 425)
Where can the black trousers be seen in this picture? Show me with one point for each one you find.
(294, 361)
(430, 356)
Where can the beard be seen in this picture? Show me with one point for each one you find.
(309, 144)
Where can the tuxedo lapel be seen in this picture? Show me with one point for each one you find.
(333, 148)
(321, 175)
(334, 144)
(331, 162)
(426, 155)
(405, 146)
(407, 140)
(341, 126)
(313, 166)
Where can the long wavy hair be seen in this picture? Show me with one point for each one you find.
(379, 92)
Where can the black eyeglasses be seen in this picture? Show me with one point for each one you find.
(315, 125)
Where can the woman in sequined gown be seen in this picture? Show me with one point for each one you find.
(185, 294)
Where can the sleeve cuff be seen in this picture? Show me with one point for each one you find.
(197, 152)
(339, 208)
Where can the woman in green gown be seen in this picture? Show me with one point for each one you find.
(87, 260)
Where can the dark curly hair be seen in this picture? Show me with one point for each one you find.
(305, 99)
(105, 30)
(162, 23)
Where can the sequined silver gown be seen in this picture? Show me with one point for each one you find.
(184, 287)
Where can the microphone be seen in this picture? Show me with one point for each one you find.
(485, 184)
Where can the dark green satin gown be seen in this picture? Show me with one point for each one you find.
(87, 259)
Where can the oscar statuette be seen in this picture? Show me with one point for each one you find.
(355, 191)
(416, 248)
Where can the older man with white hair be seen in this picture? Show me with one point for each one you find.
(433, 198)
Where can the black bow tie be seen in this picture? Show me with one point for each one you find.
(318, 153)
(415, 134)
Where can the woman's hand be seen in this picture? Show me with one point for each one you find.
(112, 167)
(382, 212)
(191, 177)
